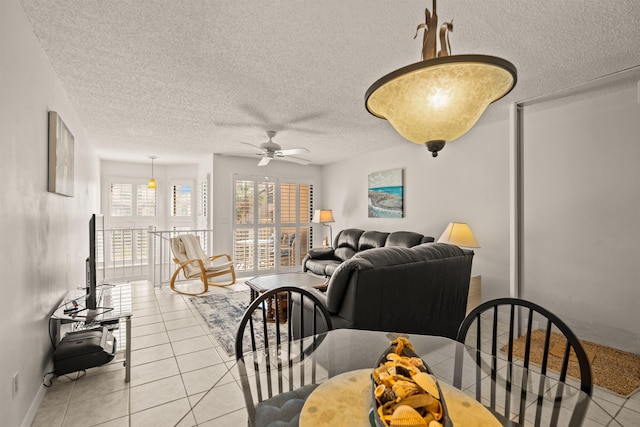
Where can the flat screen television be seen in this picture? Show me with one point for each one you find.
(96, 237)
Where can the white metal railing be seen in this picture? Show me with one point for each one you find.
(122, 254)
(160, 257)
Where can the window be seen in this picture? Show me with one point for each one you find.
(132, 209)
(145, 200)
(272, 230)
(181, 200)
(121, 199)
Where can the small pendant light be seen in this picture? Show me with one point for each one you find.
(152, 181)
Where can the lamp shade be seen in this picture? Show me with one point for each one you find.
(323, 215)
(459, 234)
(440, 99)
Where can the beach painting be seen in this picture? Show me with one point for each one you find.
(386, 194)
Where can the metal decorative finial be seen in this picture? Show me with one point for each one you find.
(429, 38)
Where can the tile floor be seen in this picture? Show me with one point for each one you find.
(176, 364)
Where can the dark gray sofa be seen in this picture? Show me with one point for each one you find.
(420, 290)
(350, 241)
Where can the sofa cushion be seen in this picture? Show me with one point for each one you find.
(322, 267)
(405, 239)
(348, 238)
(331, 268)
(372, 239)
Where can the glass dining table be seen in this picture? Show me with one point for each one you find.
(342, 360)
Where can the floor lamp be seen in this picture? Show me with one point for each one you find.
(324, 217)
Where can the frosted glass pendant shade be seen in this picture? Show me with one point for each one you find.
(152, 183)
(440, 99)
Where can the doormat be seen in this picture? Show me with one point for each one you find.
(223, 313)
(613, 369)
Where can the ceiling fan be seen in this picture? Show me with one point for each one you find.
(270, 150)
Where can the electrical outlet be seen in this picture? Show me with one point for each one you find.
(14, 387)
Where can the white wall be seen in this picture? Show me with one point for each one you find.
(467, 182)
(582, 214)
(224, 167)
(45, 236)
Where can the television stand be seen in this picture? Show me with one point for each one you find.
(114, 305)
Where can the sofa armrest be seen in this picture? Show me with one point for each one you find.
(321, 253)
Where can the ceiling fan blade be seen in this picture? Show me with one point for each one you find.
(295, 160)
(291, 151)
(264, 161)
(254, 146)
(240, 154)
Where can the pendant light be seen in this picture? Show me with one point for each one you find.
(440, 98)
(152, 182)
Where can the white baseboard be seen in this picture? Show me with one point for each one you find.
(30, 417)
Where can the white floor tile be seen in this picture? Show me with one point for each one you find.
(198, 359)
(627, 417)
(119, 422)
(185, 322)
(51, 416)
(145, 320)
(185, 333)
(151, 354)
(220, 401)
(190, 345)
(90, 386)
(146, 311)
(97, 409)
(168, 414)
(153, 328)
(156, 393)
(203, 379)
(149, 341)
(179, 314)
(153, 371)
(236, 418)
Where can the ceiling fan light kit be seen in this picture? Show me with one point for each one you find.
(270, 150)
(440, 98)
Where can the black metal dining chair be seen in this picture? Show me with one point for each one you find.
(493, 343)
(278, 372)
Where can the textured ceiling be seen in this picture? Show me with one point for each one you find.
(177, 79)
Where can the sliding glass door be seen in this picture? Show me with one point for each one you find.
(272, 224)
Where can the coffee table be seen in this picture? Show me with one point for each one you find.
(261, 284)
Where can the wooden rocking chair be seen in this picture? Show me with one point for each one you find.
(194, 264)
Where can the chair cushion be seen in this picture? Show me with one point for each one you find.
(192, 247)
(284, 409)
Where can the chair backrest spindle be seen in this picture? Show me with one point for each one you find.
(535, 355)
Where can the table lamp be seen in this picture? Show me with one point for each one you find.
(324, 216)
(459, 234)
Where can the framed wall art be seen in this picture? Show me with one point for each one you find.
(60, 156)
(386, 194)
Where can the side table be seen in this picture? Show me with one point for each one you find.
(261, 284)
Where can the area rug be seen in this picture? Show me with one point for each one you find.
(612, 369)
(223, 312)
